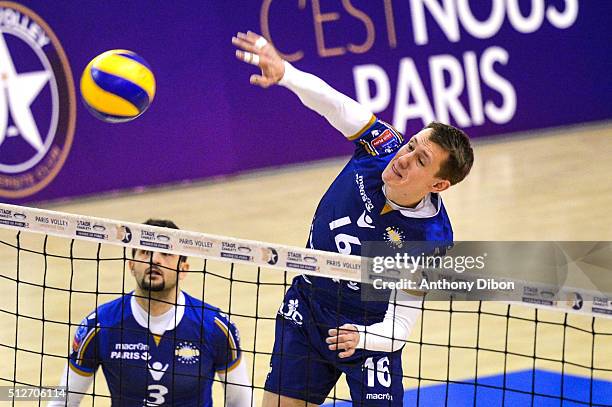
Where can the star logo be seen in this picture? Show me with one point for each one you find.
(270, 255)
(575, 300)
(124, 234)
(20, 90)
(37, 103)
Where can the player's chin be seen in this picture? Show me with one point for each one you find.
(148, 283)
(157, 287)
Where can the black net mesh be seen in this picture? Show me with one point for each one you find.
(459, 353)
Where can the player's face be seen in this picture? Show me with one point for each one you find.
(413, 169)
(155, 271)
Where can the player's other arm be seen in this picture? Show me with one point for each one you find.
(230, 367)
(76, 386)
(78, 374)
(238, 390)
(389, 335)
(345, 114)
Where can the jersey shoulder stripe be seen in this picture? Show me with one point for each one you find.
(233, 345)
(86, 341)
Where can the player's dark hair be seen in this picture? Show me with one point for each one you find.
(460, 154)
(162, 223)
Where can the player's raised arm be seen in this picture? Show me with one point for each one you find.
(345, 114)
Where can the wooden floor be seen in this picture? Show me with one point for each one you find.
(556, 186)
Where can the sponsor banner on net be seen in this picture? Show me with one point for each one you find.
(302, 261)
(237, 251)
(195, 244)
(51, 223)
(602, 305)
(13, 218)
(342, 266)
(92, 230)
(154, 239)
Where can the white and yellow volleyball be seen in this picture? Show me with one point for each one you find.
(117, 86)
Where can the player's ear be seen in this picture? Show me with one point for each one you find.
(184, 266)
(440, 185)
(131, 266)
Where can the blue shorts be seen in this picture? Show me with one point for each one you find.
(302, 366)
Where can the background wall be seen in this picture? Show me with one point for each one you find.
(489, 67)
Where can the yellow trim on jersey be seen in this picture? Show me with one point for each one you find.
(230, 338)
(232, 367)
(367, 148)
(88, 339)
(79, 371)
(363, 129)
(157, 339)
(386, 209)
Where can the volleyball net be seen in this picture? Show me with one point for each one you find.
(56, 268)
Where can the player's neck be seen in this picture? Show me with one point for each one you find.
(155, 302)
(405, 200)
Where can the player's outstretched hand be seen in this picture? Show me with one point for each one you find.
(346, 338)
(256, 50)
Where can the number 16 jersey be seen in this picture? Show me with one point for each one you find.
(354, 210)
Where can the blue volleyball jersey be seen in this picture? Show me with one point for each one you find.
(143, 369)
(353, 211)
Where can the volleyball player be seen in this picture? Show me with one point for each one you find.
(158, 345)
(388, 190)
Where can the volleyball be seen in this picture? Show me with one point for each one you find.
(117, 86)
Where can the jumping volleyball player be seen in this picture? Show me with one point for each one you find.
(389, 189)
(157, 345)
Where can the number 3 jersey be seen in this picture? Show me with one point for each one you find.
(354, 210)
(145, 369)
